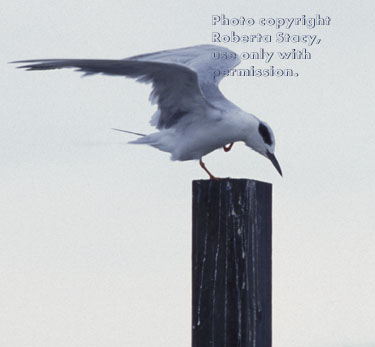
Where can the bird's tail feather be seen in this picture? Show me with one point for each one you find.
(150, 139)
(158, 140)
(155, 140)
(129, 132)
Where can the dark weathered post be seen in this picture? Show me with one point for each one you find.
(232, 263)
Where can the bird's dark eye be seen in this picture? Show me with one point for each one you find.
(263, 131)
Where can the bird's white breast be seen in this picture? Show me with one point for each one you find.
(208, 135)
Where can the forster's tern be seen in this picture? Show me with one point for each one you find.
(193, 116)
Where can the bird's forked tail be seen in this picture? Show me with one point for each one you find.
(129, 132)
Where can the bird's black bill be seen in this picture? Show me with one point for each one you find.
(274, 161)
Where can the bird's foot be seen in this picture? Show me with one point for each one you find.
(228, 148)
(203, 166)
(214, 178)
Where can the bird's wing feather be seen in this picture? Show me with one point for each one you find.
(205, 60)
(175, 87)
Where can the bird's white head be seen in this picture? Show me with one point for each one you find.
(262, 140)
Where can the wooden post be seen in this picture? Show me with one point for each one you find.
(232, 263)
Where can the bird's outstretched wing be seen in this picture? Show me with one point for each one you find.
(175, 87)
(206, 60)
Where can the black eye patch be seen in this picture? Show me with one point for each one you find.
(263, 131)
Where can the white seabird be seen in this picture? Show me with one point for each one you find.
(193, 116)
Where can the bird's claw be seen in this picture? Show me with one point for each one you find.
(228, 148)
(214, 178)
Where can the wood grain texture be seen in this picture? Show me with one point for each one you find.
(232, 256)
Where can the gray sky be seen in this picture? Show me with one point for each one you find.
(95, 234)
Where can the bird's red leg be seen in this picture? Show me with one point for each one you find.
(228, 148)
(212, 177)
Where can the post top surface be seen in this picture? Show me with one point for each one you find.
(228, 180)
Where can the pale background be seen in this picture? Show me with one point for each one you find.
(95, 236)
